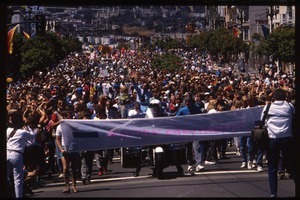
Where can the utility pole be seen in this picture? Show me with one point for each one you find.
(271, 12)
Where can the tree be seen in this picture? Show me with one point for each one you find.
(167, 61)
(197, 41)
(123, 44)
(42, 52)
(219, 41)
(167, 43)
(38, 52)
(281, 44)
(256, 37)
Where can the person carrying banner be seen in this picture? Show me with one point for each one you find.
(87, 158)
(198, 146)
(67, 158)
(154, 110)
(104, 110)
(279, 125)
(212, 144)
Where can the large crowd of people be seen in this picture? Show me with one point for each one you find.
(95, 86)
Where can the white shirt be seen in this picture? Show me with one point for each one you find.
(74, 97)
(279, 120)
(59, 133)
(212, 111)
(17, 142)
(33, 132)
(132, 112)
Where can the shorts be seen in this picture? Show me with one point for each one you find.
(75, 154)
(58, 152)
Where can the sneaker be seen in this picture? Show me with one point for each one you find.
(259, 168)
(86, 181)
(61, 175)
(210, 162)
(190, 168)
(199, 168)
(243, 165)
(249, 165)
(100, 172)
(254, 164)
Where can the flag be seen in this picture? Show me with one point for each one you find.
(265, 30)
(26, 35)
(10, 36)
(236, 32)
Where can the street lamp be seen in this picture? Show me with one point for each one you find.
(271, 12)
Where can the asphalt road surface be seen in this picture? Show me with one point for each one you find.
(225, 179)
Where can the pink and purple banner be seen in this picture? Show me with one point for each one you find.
(87, 135)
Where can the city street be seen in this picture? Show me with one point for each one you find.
(225, 179)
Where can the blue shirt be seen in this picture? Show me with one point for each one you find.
(189, 110)
(147, 95)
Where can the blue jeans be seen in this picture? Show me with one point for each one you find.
(101, 157)
(87, 158)
(199, 151)
(246, 148)
(14, 162)
(286, 146)
(258, 149)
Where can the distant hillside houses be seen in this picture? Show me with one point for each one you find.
(110, 40)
